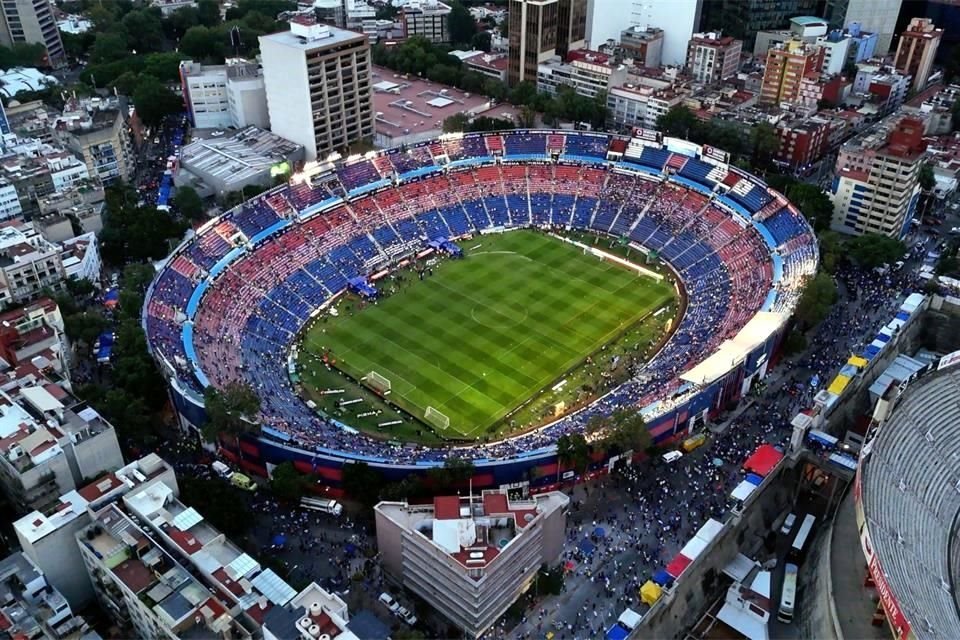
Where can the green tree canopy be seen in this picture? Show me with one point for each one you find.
(189, 203)
(460, 24)
(287, 484)
(230, 410)
(362, 482)
(819, 295)
(679, 121)
(145, 30)
(927, 181)
(109, 47)
(872, 250)
(154, 101)
(573, 450)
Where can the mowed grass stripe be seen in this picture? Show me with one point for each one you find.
(520, 318)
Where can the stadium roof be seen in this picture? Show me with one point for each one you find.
(730, 352)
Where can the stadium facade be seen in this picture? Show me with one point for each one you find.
(732, 240)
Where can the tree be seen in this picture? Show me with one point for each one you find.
(456, 122)
(153, 101)
(189, 203)
(135, 234)
(764, 143)
(627, 430)
(926, 178)
(80, 287)
(85, 326)
(108, 47)
(831, 250)
(679, 121)
(22, 54)
(230, 410)
(453, 475)
(208, 11)
(871, 250)
(460, 24)
(362, 483)
(202, 43)
(482, 41)
(819, 294)
(220, 503)
(527, 117)
(145, 30)
(572, 450)
(812, 202)
(287, 484)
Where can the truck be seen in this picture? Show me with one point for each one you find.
(693, 442)
(235, 478)
(789, 594)
(324, 505)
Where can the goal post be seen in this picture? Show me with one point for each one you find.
(377, 382)
(437, 419)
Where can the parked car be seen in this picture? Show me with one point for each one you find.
(389, 602)
(407, 616)
(787, 526)
(672, 456)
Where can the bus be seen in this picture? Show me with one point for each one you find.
(798, 548)
(789, 595)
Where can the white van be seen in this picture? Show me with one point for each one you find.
(672, 456)
(221, 469)
(788, 524)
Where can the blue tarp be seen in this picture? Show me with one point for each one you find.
(105, 346)
(587, 547)
(754, 479)
(662, 578)
(617, 632)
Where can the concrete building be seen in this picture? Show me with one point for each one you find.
(51, 443)
(786, 66)
(836, 52)
(35, 170)
(28, 264)
(81, 205)
(541, 29)
(679, 20)
(470, 559)
(916, 51)
(877, 179)
(222, 96)
(587, 72)
(802, 28)
(885, 87)
(48, 538)
(31, 608)
(643, 45)
(492, 66)
(32, 22)
(318, 86)
(81, 258)
(634, 105)
(95, 130)
(743, 19)
(875, 16)
(426, 18)
(314, 613)
(712, 57)
(218, 165)
(803, 141)
(168, 7)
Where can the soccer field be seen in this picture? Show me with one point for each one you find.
(488, 332)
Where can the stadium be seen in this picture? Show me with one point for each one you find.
(908, 504)
(241, 299)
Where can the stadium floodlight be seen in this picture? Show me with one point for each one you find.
(437, 419)
(377, 382)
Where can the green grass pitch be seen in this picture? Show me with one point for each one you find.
(486, 333)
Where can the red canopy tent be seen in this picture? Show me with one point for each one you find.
(678, 565)
(763, 460)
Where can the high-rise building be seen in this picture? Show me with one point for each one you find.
(539, 30)
(32, 22)
(916, 51)
(471, 558)
(742, 19)
(712, 58)
(679, 19)
(221, 96)
(877, 181)
(318, 81)
(874, 16)
(427, 19)
(787, 64)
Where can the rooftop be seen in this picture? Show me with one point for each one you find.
(306, 34)
(241, 155)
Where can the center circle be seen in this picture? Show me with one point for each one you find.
(492, 319)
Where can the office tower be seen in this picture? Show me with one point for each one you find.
(426, 18)
(874, 16)
(677, 18)
(712, 58)
(221, 96)
(318, 86)
(916, 51)
(32, 22)
(540, 30)
(742, 19)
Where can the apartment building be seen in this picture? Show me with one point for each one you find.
(876, 187)
(539, 30)
(803, 141)
(643, 45)
(586, 72)
(313, 613)
(633, 105)
(875, 16)
(48, 537)
(885, 87)
(318, 83)
(32, 22)
(427, 19)
(787, 64)
(225, 95)
(30, 332)
(470, 558)
(916, 51)
(32, 608)
(31, 170)
(95, 130)
(50, 442)
(712, 57)
(28, 264)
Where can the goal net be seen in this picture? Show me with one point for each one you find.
(436, 418)
(377, 382)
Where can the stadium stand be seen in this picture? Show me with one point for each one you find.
(910, 500)
(245, 303)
